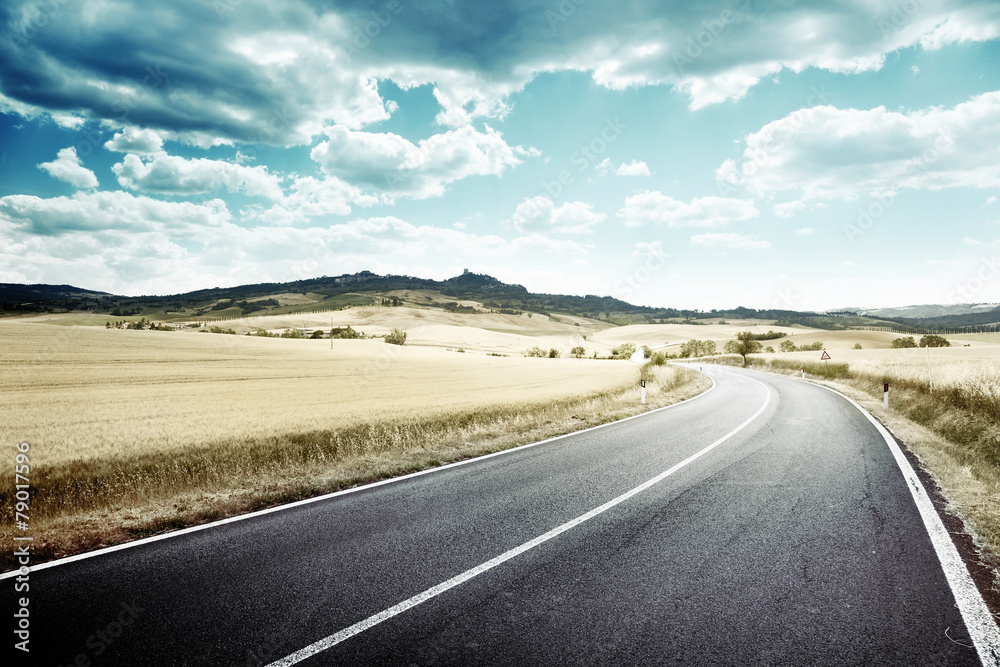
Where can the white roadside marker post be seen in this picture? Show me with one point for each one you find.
(642, 383)
(885, 395)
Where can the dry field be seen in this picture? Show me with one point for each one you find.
(80, 393)
(134, 432)
(673, 335)
(486, 332)
(88, 392)
(503, 334)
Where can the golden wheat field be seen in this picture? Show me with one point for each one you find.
(975, 369)
(77, 393)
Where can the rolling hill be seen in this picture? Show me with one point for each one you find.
(467, 293)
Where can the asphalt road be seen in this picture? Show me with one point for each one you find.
(793, 541)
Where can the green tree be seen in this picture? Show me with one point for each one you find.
(578, 352)
(787, 346)
(535, 352)
(932, 340)
(345, 333)
(691, 348)
(904, 342)
(623, 351)
(744, 344)
(396, 337)
(553, 353)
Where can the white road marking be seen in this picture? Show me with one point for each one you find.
(354, 489)
(978, 620)
(395, 610)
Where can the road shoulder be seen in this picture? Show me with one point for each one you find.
(955, 500)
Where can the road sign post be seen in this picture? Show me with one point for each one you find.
(826, 358)
(885, 395)
(642, 384)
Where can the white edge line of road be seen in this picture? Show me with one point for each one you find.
(359, 627)
(343, 492)
(978, 620)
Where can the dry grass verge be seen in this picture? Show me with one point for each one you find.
(83, 505)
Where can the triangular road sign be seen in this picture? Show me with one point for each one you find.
(825, 356)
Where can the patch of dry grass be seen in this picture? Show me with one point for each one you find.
(134, 433)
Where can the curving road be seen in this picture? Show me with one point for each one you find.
(764, 523)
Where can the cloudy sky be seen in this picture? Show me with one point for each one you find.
(696, 155)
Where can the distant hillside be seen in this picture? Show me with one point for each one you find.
(367, 288)
(931, 311)
(15, 292)
(985, 320)
(15, 297)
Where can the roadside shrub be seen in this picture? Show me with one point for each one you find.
(578, 352)
(553, 353)
(658, 358)
(811, 347)
(823, 369)
(535, 352)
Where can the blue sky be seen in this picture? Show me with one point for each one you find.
(694, 155)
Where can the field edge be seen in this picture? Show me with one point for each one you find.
(74, 535)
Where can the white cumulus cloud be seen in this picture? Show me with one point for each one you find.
(633, 168)
(541, 214)
(135, 140)
(388, 163)
(652, 206)
(67, 167)
(730, 240)
(173, 175)
(829, 153)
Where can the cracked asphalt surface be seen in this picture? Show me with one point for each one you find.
(795, 542)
